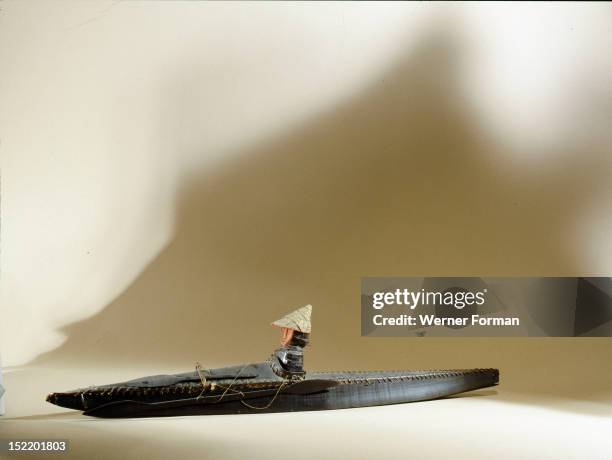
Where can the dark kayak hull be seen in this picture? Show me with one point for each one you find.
(346, 390)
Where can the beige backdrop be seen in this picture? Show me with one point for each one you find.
(177, 175)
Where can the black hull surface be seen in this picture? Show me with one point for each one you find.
(342, 391)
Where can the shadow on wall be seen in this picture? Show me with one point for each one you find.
(396, 181)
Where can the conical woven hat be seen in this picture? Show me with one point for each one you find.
(298, 320)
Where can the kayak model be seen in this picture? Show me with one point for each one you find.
(279, 384)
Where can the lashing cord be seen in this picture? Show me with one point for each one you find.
(229, 388)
